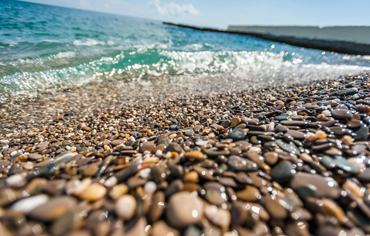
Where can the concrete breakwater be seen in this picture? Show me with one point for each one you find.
(342, 39)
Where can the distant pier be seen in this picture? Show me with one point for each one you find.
(342, 39)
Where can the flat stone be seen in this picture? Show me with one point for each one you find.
(53, 209)
(288, 147)
(326, 186)
(34, 157)
(361, 133)
(216, 152)
(197, 155)
(28, 204)
(281, 128)
(116, 142)
(297, 134)
(237, 134)
(354, 124)
(282, 117)
(215, 193)
(283, 172)
(241, 164)
(275, 210)
(249, 194)
(341, 114)
(340, 163)
(174, 147)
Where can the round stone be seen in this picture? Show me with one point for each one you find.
(282, 172)
(271, 157)
(237, 134)
(126, 207)
(184, 209)
(215, 193)
(150, 187)
(118, 191)
(94, 192)
(147, 146)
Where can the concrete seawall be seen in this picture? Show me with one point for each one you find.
(342, 39)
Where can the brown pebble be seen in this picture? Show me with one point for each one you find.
(198, 155)
(94, 192)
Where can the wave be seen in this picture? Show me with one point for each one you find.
(89, 42)
(249, 68)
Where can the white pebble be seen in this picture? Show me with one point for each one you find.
(150, 187)
(326, 113)
(28, 204)
(13, 153)
(159, 153)
(15, 181)
(126, 206)
(145, 173)
(112, 181)
(255, 149)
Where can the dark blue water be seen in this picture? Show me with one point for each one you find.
(46, 47)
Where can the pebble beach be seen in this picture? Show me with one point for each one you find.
(128, 160)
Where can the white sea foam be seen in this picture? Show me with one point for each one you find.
(68, 54)
(87, 42)
(204, 68)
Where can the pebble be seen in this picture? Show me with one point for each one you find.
(34, 157)
(215, 193)
(291, 160)
(94, 192)
(283, 172)
(249, 194)
(53, 208)
(241, 164)
(118, 191)
(237, 134)
(325, 186)
(275, 210)
(218, 216)
(126, 206)
(197, 155)
(160, 228)
(28, 204)
(184, 209)
(288, 147)
(341, 114)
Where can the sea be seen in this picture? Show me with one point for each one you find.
(46, 47)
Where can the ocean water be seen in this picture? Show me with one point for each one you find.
(46, 47)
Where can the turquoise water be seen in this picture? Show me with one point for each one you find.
(45, 47)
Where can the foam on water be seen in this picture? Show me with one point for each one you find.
(64, 47)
